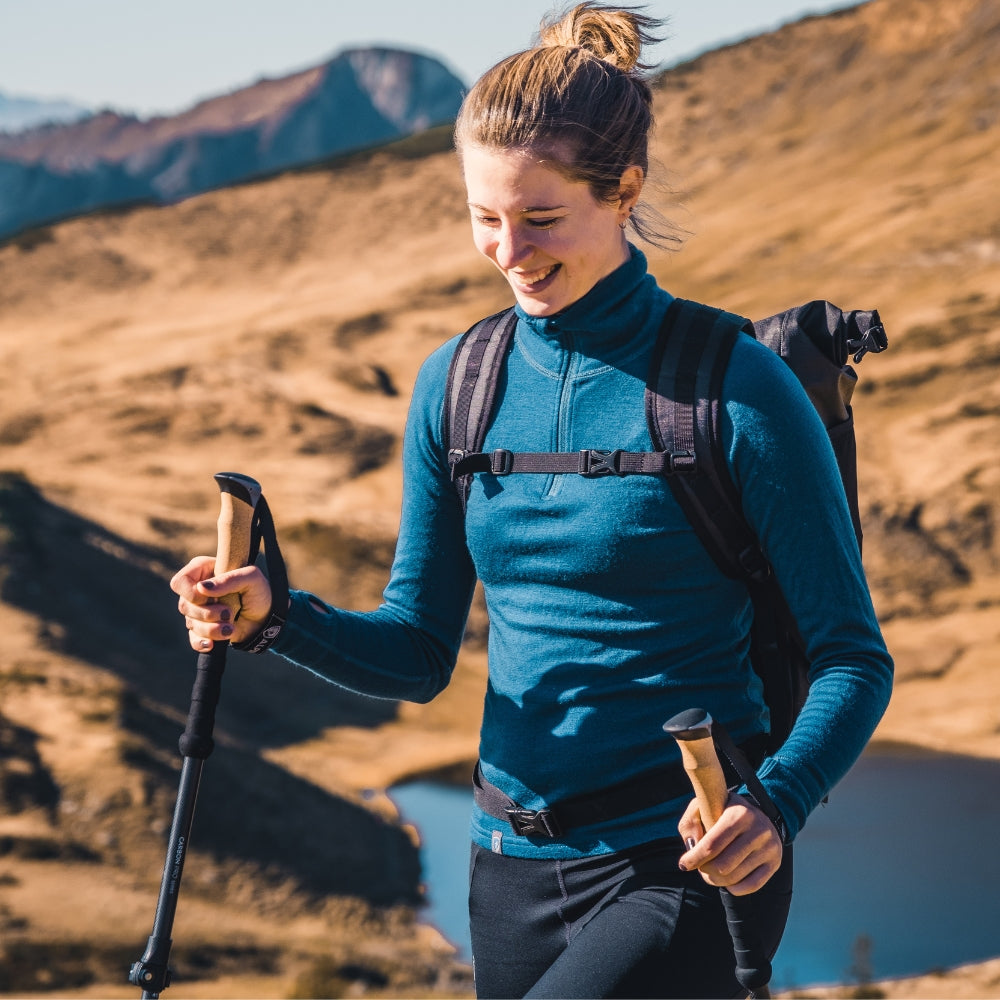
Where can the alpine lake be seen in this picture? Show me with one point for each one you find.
(897, 875)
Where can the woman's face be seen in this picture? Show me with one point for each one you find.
(548, 235)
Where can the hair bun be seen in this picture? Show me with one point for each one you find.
(614, 34)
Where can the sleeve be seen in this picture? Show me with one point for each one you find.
(405, 649)
(782, 461)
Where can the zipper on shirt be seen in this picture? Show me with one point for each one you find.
(552, 486)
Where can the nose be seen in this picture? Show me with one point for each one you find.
(513, 246)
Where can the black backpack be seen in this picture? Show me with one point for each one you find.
(682, 412)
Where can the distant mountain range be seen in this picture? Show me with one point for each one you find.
(360, 98)
(20, 113)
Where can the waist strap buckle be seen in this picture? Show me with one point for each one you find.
(526, 823)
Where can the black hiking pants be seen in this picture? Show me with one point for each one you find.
(629, 924)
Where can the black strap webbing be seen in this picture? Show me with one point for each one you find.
(588, 462)
(471, 389)
(739, 764)
(683, 395)
(263, 530)
(642, 792)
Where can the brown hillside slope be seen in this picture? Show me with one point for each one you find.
(276, 329)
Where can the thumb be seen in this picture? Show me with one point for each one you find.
(690, 826)
(245, 589)
(234, 581)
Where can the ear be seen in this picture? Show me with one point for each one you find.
(630, 188)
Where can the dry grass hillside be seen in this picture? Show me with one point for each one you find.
(276, 329)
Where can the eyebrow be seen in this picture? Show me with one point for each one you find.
(530, 208)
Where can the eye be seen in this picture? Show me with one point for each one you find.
(485, 220)
(542, 223)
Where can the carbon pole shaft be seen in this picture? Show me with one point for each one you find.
(151, 972)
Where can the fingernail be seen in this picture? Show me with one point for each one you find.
(208, 584)
(683, 867)
(227, 629)
(224, 615)
(205, 643)
(690, 842)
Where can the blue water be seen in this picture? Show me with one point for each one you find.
(904, 854)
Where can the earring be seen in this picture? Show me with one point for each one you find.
(623, 224)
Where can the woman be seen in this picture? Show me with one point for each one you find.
(607, 615)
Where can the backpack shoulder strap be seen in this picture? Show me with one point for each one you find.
(683, 393)
(471, 388)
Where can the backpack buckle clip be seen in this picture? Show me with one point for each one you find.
(526, 823)
(872, 341)
(501, 462)
(681, 461)
(594, 462)
(754, 563)
(455, 455)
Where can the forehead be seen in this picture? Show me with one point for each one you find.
(515, 179)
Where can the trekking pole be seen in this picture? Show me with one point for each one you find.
(240, 496)
(693, 731)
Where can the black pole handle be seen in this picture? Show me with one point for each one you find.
(753, 968)
(196, 740)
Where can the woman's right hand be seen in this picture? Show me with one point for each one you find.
(208, 617)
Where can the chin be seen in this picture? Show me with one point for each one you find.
(534, 308)
(541, 305)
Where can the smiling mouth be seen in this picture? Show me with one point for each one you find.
(530, 280)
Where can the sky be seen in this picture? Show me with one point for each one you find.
(158, 58)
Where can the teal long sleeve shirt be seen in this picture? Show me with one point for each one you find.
(607, 616)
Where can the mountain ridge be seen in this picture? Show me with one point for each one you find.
(20, 112)
(361, 97)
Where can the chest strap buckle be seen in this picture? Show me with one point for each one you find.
(594, 462)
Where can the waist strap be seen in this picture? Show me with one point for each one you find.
(634, 795)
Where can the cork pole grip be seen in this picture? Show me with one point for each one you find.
(693, 731)
(707, 779)
(238, 501)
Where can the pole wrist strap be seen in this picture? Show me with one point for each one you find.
(263, 531)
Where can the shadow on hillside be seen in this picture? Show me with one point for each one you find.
(253, 812)
(104, 599)
(25, 781)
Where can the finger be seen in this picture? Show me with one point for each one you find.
(198, 644)
(213, 631)
(740, 831)
(185, 580)
(223, 584)
(214, 612)
(690, 826)
(725, 871)
(746, 863)
(756, 879)
(747, 878)
(708, 848)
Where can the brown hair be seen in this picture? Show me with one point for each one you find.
(578, 98)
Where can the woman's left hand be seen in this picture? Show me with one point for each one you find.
(741, 851)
